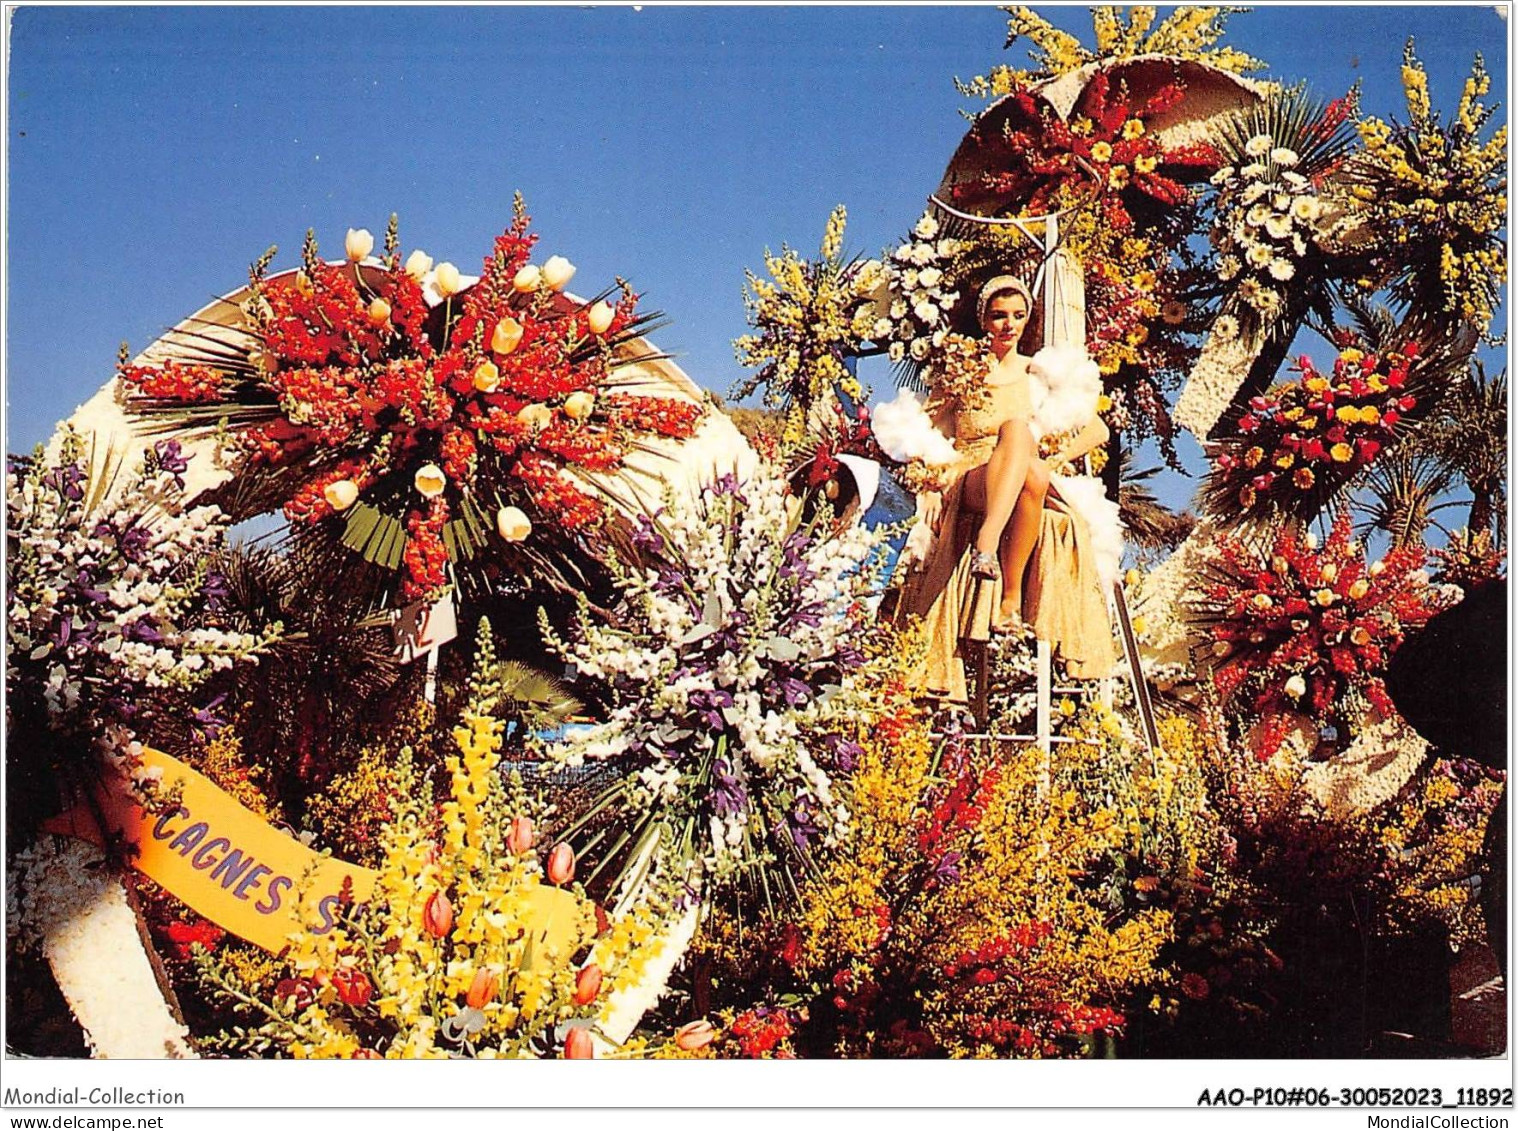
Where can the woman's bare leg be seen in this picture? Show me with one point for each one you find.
(1005, 473)
(1022, 535)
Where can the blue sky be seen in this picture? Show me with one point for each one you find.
(154, 152)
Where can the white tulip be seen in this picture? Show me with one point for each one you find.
(418, 263)
(487, 378)
(527, 280)
(340, 494)
(506, 336)
(1296, 687)
(358, 244)
(577, 406)
(511, 524)
(430, 480)
(599, 317)
(557, 272)
(447, 280)
(535, 415)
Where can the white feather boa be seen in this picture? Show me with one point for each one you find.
(905, 432)
(1087, 497)
(1064, 384)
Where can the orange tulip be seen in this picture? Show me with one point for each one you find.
(587, 984)
(379, 312)
(521, 836)
(437, 915)
(695, 1035)
(578, 1045)
(561, 864)
(482, 990)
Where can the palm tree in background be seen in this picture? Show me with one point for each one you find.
(1468, 433)
(1402, 493)
(1148, 523)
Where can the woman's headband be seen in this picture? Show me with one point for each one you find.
(1000, 285)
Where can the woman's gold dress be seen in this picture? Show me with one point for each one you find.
(1062, 594)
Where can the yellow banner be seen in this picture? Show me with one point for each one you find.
(235, 869)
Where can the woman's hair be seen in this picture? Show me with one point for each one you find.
(994, 289)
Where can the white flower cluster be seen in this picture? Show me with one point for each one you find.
(922, 293)
(97, 600)
(724, 652)
(64, 901)
(1265, 221)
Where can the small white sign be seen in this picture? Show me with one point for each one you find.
(420, 628)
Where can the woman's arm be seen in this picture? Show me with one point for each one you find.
(1093, 435)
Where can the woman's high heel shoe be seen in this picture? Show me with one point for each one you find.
(985, 566)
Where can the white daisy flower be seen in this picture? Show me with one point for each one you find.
(1254, 191)
(1259, 145)
(1282, 269)
(1259, 256)
(1279, 227)
(1226, 327)
(1222, 176)
(1295, 180)
(1284, 157)
(1258, 215)
(1228, 267)
(926, 229)
(1253, 172)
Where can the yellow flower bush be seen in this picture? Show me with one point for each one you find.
(464, 947)
(810, 316)
(965, 917)
(1190, 32)
(1437, 197)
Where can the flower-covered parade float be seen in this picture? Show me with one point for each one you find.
(565, 712)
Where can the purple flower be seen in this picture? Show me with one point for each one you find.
(207, 723)
(846, 753)
(171, 459)
(807, 614)
(729, 798)
(84, 586)
(947, 869)
(144, 631)
(792, 564)
(795, 692)
(68, 480)
(802, 823)
(670, 581)
(134, 542)
(646, 536)
(216, 591)
(725, 484)
(708, 706)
